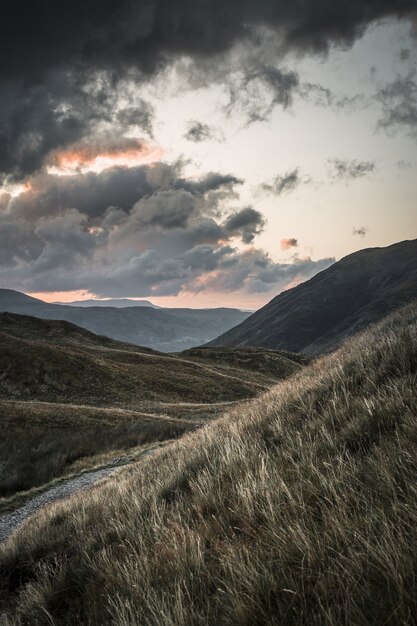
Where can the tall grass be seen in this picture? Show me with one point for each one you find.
(34, 459)
(296, 508)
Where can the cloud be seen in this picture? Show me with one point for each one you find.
(199, 132)
(140, 115)
(325, 97)
(253, 271)
(404, 165)
(41, 118)
(247, 223)
(360, 232)
(343, 169)
(404, 54)
(285, 183)
(138, 231)
(259, 88)
(287, 244)
(399, 104)
(65, 68)
(102, 153)
(148, 35)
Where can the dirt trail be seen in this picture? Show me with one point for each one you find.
(9, 522)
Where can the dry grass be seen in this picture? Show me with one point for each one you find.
(42, 441)
(67, 395)
(297, 508)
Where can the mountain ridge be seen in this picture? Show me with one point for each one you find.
(167, 330)
(119, 303)
(319, 314)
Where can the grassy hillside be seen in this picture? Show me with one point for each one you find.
(299, 507)
(66, 394)
(318, 315)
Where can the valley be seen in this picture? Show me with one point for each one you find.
(69, 398)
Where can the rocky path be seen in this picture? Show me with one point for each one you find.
(9, 522)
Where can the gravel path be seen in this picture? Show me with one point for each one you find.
(9, 522)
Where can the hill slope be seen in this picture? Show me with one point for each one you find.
(67, 394)
(297, 508)
(168, 330)
(318, 315)
(47, 359)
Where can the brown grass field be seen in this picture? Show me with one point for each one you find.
(298, 507)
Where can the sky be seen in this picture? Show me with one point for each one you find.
(205, 153)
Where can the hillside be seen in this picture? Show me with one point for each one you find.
(53, 360)
(167, 330)
(296, 508)
(66, 393)
(318, 315)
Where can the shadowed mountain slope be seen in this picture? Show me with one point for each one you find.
(168, 330)
(316, 316)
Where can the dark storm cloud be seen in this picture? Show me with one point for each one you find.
(92, 194)
(166, 209)
(284, 183)
(360, 232)
(343, 169)
(38, 119)
(399, 104)
(128, 200)
(62, 64)
(247, 223)
(45, 36)
(140, 231)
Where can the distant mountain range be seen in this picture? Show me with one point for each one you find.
(167, 330)
(119, 303)
(316, 316)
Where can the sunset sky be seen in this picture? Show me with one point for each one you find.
(202, 153)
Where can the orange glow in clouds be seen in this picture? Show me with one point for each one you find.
(82, 159)
(15, 190)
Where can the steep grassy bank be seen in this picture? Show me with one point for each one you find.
(299, 507)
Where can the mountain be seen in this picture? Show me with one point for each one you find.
(316, 316)
(299, 507)
(119, 303)
(167, 330)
